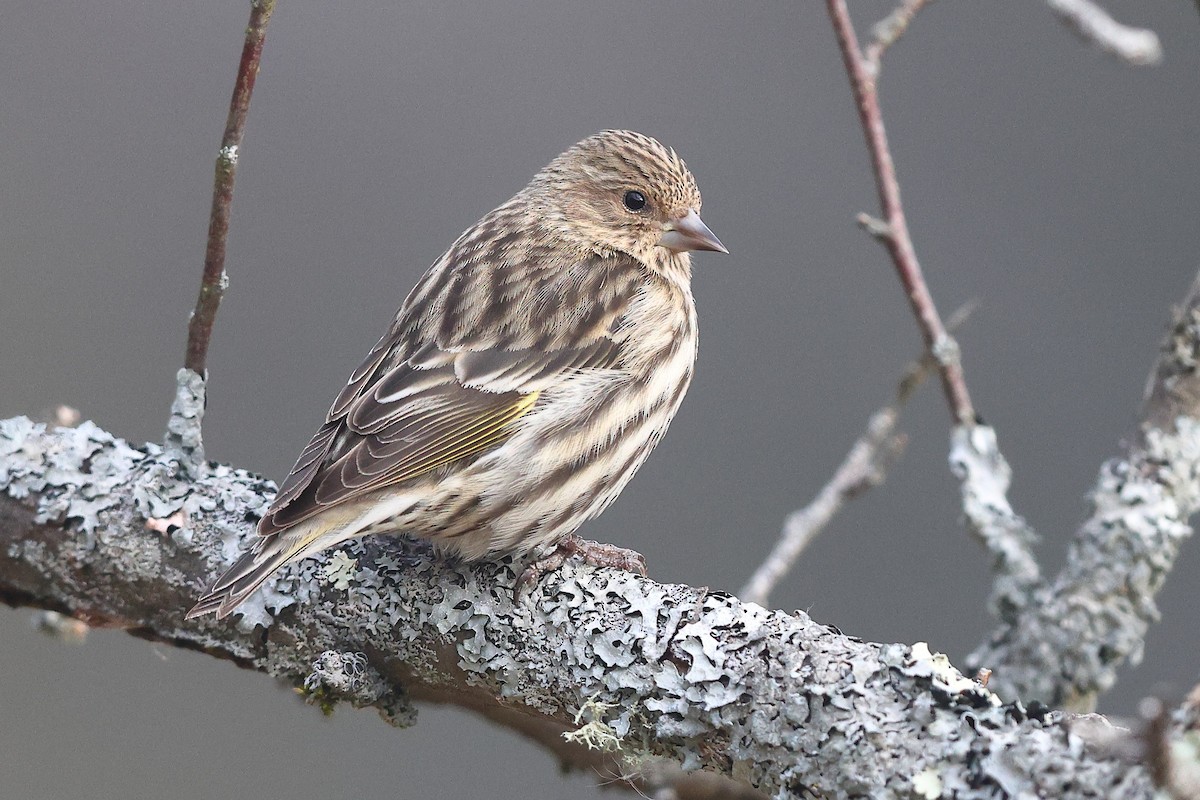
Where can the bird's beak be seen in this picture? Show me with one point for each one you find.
(690, 233)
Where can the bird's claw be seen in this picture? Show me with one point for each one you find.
(597, 554)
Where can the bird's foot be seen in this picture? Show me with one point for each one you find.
(595, 553)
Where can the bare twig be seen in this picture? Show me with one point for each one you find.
(864, 467)
(1135, 46)
(214, 280)
(893, 230)
(885, 32)
(1156, 719)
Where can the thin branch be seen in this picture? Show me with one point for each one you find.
(864, 467)
(1156, 740)
(888, 30)
(975, 456)
(893, 231)
(984, 478)
(1173, 388)
(214, 280)
(1134, 46)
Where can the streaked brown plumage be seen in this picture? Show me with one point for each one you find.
(524, 380)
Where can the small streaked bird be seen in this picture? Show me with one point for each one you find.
(522, 383)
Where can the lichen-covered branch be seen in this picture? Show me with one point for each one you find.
(984, 477)
(1063, 643)
(1059, 641)
(888, 31)
(975, 456)
(1136, 46)
(106, 533)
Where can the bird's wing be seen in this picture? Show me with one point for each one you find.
(422, 400)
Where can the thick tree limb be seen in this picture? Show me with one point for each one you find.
(888, 31)
(1061, 641)
(639, 669)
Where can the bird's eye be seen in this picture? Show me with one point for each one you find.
(634, 200)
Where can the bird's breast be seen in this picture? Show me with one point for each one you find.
(586, 435)
(628, 407)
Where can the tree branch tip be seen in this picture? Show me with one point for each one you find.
(876, 227)
(888, 31)
(214, 280)
(1134, 46)
(959, 316)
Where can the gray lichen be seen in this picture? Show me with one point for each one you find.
(1060, 641)
(984, 477)
(1073, 634)
(700, 678)
(184, 442)
(339, 676)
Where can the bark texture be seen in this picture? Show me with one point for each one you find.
(1061, 640)
(630, 670)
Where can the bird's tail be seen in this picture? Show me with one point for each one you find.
(248, 573)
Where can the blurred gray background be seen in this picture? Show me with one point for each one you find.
(1054, 185)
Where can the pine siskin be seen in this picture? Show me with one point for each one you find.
(523, 382)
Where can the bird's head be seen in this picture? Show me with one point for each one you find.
(620, 191)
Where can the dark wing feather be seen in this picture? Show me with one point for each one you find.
(427, 396)
(307, 466)
(379, 441)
